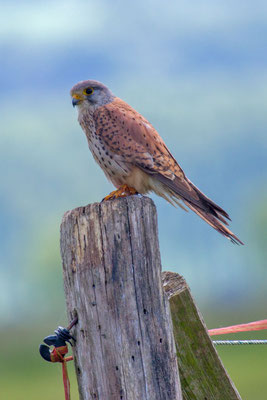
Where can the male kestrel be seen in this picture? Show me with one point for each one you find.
(134, 157)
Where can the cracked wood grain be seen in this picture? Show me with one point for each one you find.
(112, 278)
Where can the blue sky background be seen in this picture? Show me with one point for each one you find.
(198, 72)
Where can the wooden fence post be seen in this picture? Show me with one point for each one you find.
(202, 374)
(112, 279)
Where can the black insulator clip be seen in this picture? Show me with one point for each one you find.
(61, 338)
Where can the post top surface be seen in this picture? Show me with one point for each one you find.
(110, 205)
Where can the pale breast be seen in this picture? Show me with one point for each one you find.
(114, 169)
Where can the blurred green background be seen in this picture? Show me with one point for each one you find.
(197, 71)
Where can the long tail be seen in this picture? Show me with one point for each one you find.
(215, 223)
(193, 198)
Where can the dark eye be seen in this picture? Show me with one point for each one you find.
(88, 91)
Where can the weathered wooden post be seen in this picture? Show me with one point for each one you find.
(112, 278)
(202, 374)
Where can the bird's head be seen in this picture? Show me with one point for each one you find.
(90, 94)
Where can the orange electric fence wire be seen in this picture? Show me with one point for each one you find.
(251, 326)
(57, 354)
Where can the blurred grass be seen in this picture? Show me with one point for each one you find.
(25, 376)
(246, 366)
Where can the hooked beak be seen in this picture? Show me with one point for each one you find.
(76, 99)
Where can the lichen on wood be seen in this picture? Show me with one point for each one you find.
(202, 374)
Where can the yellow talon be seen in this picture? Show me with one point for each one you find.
(122, 191)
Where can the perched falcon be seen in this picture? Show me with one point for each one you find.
(134, 157)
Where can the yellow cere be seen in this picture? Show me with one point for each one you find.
(77, 96)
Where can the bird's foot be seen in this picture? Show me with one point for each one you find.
(123, 191)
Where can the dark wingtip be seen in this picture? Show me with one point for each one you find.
(235, 240)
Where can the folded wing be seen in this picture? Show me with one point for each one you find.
(129, 135)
